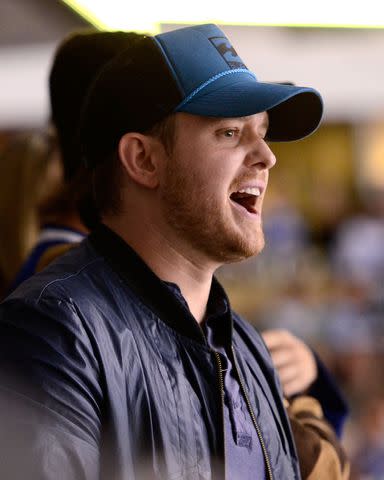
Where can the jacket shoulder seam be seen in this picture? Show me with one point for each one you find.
(66, 278)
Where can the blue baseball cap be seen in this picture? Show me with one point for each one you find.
(194, 70)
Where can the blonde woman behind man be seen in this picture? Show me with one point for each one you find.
(26, 168)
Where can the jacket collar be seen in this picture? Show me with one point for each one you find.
(154, 292)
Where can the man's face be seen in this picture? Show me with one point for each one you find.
(215, 182)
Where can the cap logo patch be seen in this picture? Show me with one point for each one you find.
(228, 53)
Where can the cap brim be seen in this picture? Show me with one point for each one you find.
(294, 112)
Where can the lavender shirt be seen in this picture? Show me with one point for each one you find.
(243, 452)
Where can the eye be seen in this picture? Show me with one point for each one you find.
(230, 132)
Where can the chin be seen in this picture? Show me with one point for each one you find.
(240, 248)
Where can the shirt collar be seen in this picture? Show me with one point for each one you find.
(155, 293)
(217, 324)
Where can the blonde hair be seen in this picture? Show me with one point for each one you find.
(23, 165)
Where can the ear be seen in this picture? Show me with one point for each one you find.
(139, 159)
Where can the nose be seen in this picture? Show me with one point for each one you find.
(261, 155)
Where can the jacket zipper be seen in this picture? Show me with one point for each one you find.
(266, 457)
(221, 382)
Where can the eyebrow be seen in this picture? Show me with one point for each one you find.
(265, 123)
(263, 126)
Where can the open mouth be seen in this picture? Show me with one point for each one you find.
(247, 198)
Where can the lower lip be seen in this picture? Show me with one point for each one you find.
(243, 210)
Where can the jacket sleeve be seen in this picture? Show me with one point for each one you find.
(49, 393)
(325, 390)
(321, 456)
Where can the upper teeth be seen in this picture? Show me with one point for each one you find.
(251, 191)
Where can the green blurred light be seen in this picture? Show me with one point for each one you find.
(147, 16)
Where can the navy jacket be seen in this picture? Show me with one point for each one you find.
(105, 374)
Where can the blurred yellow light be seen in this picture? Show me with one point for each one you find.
(147, 15)
(372, 143)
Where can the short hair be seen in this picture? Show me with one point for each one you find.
(106, 177)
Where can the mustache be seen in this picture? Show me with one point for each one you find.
(240, 181)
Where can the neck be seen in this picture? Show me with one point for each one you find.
(170, 262)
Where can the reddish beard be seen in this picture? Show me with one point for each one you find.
(199, 218)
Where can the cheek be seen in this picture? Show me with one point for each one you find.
(204, 170)
(220, 173)
(214, 187)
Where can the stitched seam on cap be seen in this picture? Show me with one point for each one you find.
(213, 79)
(171, 67)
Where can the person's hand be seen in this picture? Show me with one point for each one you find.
(293, 360)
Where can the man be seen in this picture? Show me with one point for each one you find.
(123, 359)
